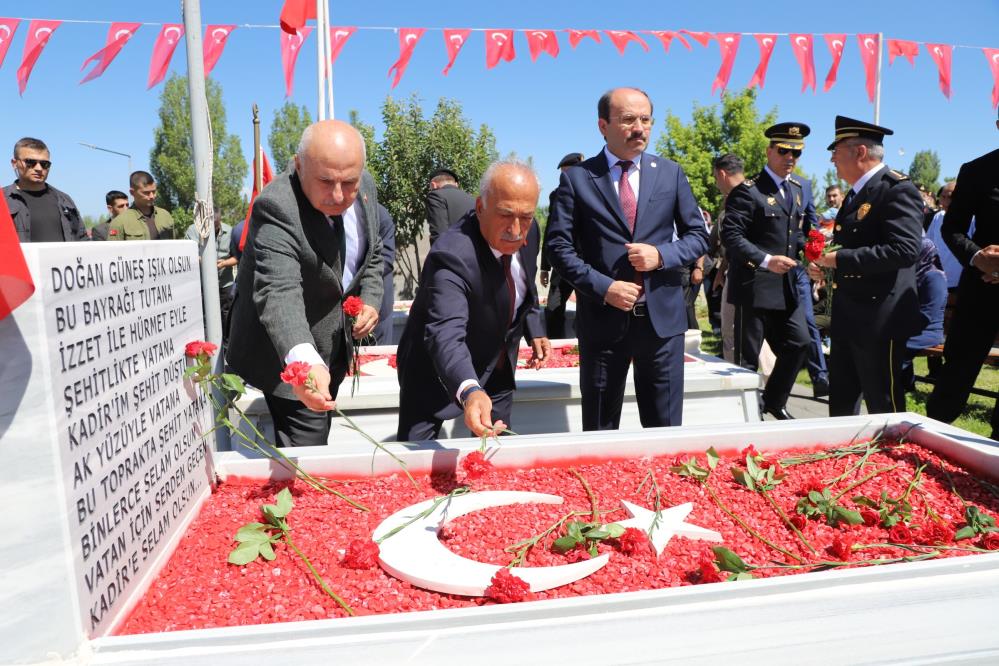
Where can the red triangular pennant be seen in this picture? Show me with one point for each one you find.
(870, 45)
(8, 26)
(702, 38)
(214, 43)
(294, 14)
(163, 49)
(941, 54)
(408, 37)
(667, 37)
(802, 45)
(499, 45)
(16, 285)
(291, 44)
(338, 37)
(454, 40)
(766, 44)
(622, 37)
(901, 47)
(39, 33)
(992, 55)
(541, 41)
(728, 43)
(835, 44)
(576, 36)
(118, 35)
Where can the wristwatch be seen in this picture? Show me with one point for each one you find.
(463, 398)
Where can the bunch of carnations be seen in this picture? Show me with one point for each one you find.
(352, 307)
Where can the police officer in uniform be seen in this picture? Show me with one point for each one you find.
(875, 303)
(763, 234)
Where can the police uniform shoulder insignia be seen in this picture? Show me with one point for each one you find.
(792, 180)
(897, 175)
(749, 182)
(863, 211)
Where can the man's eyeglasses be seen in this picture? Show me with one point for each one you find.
(45, 164)
(628, 121)
(796, 152)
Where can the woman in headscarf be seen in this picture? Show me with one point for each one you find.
(931, 283)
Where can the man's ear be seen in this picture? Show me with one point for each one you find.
(602, 126)
(479, 206)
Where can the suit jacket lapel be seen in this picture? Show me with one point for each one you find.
(648, 178)
(603, 183)
(320, 233)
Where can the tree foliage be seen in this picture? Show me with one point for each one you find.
(286, 130)
(171, 159)
(735, 127)
(411, 147)
(925, 170)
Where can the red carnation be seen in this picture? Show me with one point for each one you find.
(810, 483)
(815, 245)
(935, 533)
(633, 542)
(476, 465)
(750, 451)
(842, 548)
(710, 573)
(900, 533)
(392, 361)
(505, 588)
(352, 306)
(361, 554)
(296, 373)
(198, 347)
(990, 541)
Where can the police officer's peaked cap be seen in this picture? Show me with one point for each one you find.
(443, 172)
(847, 128)
(571, 159)
(788, 135)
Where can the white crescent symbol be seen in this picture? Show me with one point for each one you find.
(118, 34)
(936, 49)
(767, 41)
(457, 39)
(40, 31)
(802, 42)
(838, 45)
(166, 33)
(340, 34)
(995, 58)
(6, 29)
(410, 38)
(868, 43)
(215, 34)
(498, 37)
(540, 35)
(729, 40)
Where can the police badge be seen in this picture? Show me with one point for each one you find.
(863, 211)
(772, 201)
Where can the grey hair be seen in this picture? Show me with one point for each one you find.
(487, 178)
(303, 143)
(874, 149)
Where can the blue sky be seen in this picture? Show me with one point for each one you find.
(542, 109)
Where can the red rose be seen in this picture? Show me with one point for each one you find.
(633, 542)
(476, 465)
(352, 306)
(990, 541)
(710, 573)
(361, 554)
(296, 373)
(871, 517)
(505, 588)
(842, 548)
(749, 451)
(198, 347)
(798, 520)
(900, 533)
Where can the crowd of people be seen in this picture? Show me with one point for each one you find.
(626, 235)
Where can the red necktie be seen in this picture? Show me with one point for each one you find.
(512, 291)
(629, 205)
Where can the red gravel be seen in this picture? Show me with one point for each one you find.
(198, 589)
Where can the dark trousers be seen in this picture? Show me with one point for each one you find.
(787, 334)
(421, 428)
(714, 300)
(815, 360)
(658, 375)
(297, 425)
(860, 366)
(225, 306)
(972, 332)
(559, 291)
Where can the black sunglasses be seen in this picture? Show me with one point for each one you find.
(31, 163)
(794, 151)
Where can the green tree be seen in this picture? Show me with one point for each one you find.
(286, 130)
(735, 127)
(411, 147)
(171, 159)
(925, 169)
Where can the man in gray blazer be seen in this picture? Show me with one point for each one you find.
(313, 240)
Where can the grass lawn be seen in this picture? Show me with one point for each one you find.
(975, 417)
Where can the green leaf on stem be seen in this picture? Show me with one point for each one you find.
(743, 477)
(267, 551)
(244, 553)
(233, 383)
(614, 530)
(564, 544)
(713, 458)
(728, 560)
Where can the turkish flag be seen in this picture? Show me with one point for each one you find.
(454, 40)
(215, 39)
(869, 48)
(576, 36)
(408, 37)
(266, 177)
(992, 55)
(118, 35)
(901, 47)
(542, 41)
(338, 37)
(16, 285)
(802, 45)
(622, 37)
(835, 44)
(766, 44)
(39, 33)
(295, 13)
(8, 26)
(941, 54)
(499, 44)
(728, 42)
(163, 49)
(667, 36)
(291, 43)
(702, 38)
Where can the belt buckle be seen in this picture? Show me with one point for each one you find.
(639, 310)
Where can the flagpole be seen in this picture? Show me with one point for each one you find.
(321, 60)
(329, 58)
(258, 162)
(877, 89)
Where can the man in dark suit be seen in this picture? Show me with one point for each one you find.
(623, 225)
(763, 236)
(559, 290)
(446, 204)
(386, 230)
(458, 352)
(875, 303)
(975, 322)
(313, 240)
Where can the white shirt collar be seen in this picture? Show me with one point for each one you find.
(777, 179)
(613, 159)
(859, 185)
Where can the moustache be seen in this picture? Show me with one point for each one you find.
(507, 238)
(636, 135)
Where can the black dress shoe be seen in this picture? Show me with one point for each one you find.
(780, 414)
(820, 387)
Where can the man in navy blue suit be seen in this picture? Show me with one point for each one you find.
(477, 298)
(623, 225)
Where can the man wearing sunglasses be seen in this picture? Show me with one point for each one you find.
(41, 213)
(765, 221)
